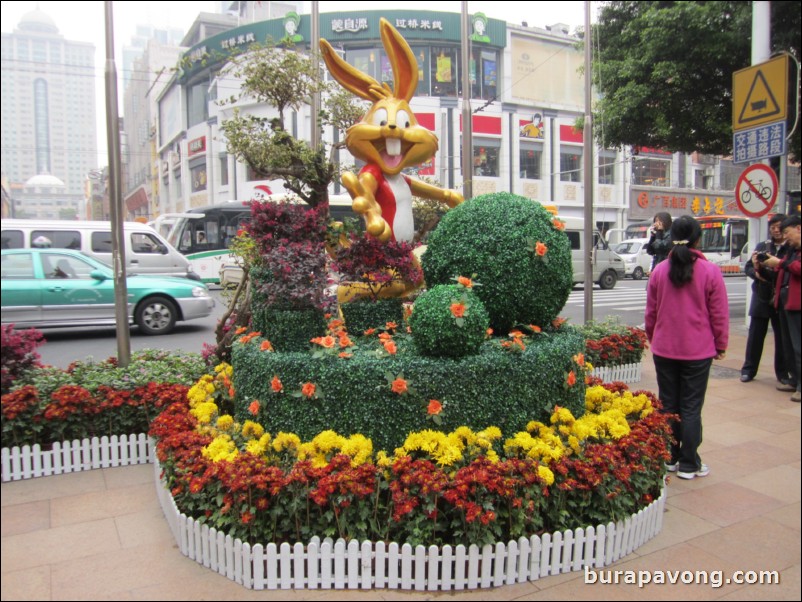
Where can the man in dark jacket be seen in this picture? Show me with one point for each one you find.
(788, 298)
(762, 310)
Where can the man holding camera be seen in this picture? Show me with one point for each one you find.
(788, 299)
(762, 310)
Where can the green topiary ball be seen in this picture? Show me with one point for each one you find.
(448, 320)
(494, 239)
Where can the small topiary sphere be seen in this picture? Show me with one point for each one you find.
(494, 239)
(448, 320)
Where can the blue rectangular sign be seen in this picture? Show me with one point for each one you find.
(759, 143)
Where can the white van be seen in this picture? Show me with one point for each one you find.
(146, 251)
(637, 261)
(608, 267)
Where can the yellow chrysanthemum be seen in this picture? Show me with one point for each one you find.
(225, 422)
(220, 449)
(545, 473)
(255, 447)
(286, 441)
(252, 430)
(204, 412)
(359, 447)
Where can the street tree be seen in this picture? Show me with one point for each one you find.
(285, 80)
(663, 71)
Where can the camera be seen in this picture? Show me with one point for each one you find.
(762, 256)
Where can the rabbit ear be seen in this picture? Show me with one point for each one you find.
(349, 77)
(402, 60)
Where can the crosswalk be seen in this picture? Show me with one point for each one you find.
(629, 299)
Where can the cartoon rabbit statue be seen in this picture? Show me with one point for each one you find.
(388, 139)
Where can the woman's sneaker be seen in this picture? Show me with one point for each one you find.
(702, 472)
(672, 467)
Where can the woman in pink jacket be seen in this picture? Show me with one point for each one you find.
(687, 322)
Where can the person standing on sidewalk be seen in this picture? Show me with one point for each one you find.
(688, 325)
(787, 300)
(761, 308)
(659, 243)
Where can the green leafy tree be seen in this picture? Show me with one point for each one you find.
(664, 71)
(285, 79)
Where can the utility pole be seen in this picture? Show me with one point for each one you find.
(467, 123)
(587, 174)
(115, 197)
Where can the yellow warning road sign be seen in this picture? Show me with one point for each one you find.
(760, 93)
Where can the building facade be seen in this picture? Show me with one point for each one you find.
(527, 94)
(48, 117)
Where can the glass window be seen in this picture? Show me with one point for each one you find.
(17, 267)
(198, 176)
(101, 242)
(606, 167)
(367, 61)
(57, 266)
(651, 172)
(422, 56)
(12, 239)
(483, 74)
(531, 156)
(67, 239)
(485, 157)
(570, 164)
(573, 238)
(443, 71)
(223, 171)
(147, 243)
(197, 104)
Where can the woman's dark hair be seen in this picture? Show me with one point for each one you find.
(791, 222)
(665, 218)
(685, 232)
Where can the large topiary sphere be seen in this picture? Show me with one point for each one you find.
(448, 321)
(494, 238)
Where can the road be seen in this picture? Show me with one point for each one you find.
(627, 300)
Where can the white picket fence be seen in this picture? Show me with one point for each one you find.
(28, 461)
(626, 373)
(331, 564)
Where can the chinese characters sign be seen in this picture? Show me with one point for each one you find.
(759, 143)
(644, 203)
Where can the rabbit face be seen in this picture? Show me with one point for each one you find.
(390, 137)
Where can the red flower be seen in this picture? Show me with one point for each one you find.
(399, 385)
(540, 249)
(434, 408)
(276, 385)
(266, 346)
(466, 282)
(458, 310)
(254, 407)
(571, 380)
(308, 390)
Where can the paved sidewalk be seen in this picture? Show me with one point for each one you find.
(101, 534)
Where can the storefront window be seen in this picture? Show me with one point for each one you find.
(485, 157)
(197, 104)
(570, 164)
(484, 74)
(443, 71)
(367, 61)
(651, 172)
(198, 174)
(531, 156)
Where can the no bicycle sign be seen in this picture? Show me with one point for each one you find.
(756, 190)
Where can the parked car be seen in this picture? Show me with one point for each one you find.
(637, 261)
(51, 288)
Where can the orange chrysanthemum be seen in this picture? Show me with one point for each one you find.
(345, 341)
(240, 330)
(559, 225)
(308, 390)
(579, 358)
(466, 282)
(399, 386)
(266, 346)
(254, 407)
(535, 328)
(391, 326)
(458, 309)
(345, 355)
(540, 249)
(434, 408)
(369, 332)
(557, 322)
(390, 347)
(327, 342)
(571, 379)
(276, 385)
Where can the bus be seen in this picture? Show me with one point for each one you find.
(723, 240)
(203, 234)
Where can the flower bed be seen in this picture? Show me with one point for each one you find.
(451, 498)
(376, 565)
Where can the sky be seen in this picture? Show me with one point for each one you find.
(85, 22)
